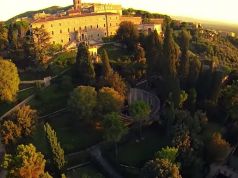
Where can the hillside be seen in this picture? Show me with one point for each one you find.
(49, 10)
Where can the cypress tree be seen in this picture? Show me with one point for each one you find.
(171, 53)
(107, 69)
(169, 67)
(153, 48)
(57, 151)
(184, 62)
(85, 68)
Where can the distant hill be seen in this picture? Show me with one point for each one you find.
(49, 10)
(211, 24)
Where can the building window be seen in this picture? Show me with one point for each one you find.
(42, 26)
(59, 24)
(62, 41)
(69, 39)
(97, 26)
(51, 25)
(52, 33)
(105, 34)
(60, 31)
(110, 24)
(74, 29)
(91, 26)
(53, 42)
(98, 35)
(104, 25)
(85, 28)
(68, 29)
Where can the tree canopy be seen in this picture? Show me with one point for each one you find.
(26, 163)
(82, 101)
(9, 80)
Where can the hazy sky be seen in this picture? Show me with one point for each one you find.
(220, 10)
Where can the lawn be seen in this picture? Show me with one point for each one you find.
(85, 172)
(135, 154)
(114, 53)
(75, 135)
(50, 99)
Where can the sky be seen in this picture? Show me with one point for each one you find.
(216, 10)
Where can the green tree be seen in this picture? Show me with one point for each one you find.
(57, 151)
(171, 54)
(114, 129)
(160, 168)
(140, 112)
(194, 71)
(26, 119)
(183, 98)
(3, 36)
(41, 44)
(26, 163)
(192, 100)
(9, 80)
(82, 102)
(116, 82)
(10, 132)
(229, 100)
(84, 65)
(107, 69)
(139, 54)
(109, 101)
(127, 34)
(168, 115)
(185, 37)
(154, 54)
(217, 148)
(21, 123)
(169, 153)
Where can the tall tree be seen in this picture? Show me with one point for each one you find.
(84, 65)
(127, 34)
(140, 111)
(41, 44)
(194, 71)
(9, 80)
(107, 69)
(26, 163)
(171, 54)
(3, 36)
(185, 38)
(153, 48)
(57, 151)
(229, 100)
(114, 129)
(82, 102)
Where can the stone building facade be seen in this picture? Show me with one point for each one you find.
(83, 27)
(92, 25)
